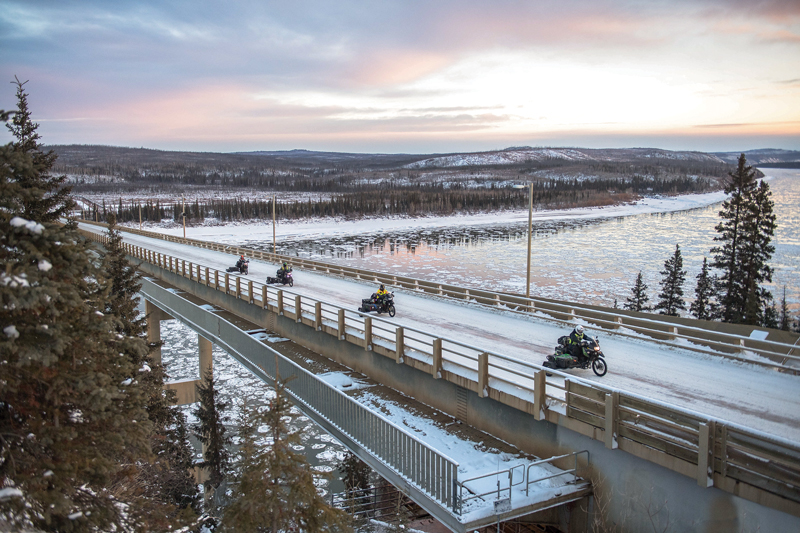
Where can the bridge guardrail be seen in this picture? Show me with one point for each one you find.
(781, 356)
(713, 451)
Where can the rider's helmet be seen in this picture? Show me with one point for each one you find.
(241, 256)
(382, 288)
(284, 264)
(579, 329)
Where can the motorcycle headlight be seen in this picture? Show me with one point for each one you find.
(597, 348)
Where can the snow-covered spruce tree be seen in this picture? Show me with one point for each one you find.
(704, 306)
(638, 299)
(72, 414)
(275, 490)
(745, 234)
(167, 481)
(210, 430)
(44, 198)
(670, 299)
(759, 228)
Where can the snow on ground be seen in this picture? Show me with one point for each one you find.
(744, 394)
(285, 230)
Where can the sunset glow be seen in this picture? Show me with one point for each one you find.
(406, 76)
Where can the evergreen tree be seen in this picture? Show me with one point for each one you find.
(745, 234)
(276, 490)
(71, 412)
(168, 481)
(671, 296)
(44, 198)
(704, 306)
(785, 319)
(210, 430)
(638, 299)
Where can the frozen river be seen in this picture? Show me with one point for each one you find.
(592, 261)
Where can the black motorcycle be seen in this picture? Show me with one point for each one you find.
(242, 267)
(381, 305)
(283, 277)
(591, 356)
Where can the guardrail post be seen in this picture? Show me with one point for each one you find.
(742, 347)
(264, 297)
(539, 395)
(318, 316)
(238, 287)
(399, 345)
(250, 298)
(191, 271)
(216, 280)
(612, 402)
(483, 374)
(619, 322)
(436, 370)
(208, 281)
(298, 309)
(367, 333)
(703, 453)
(466, 294)
(674, 332)
(280, 302)
(183, 268)
(341, 331)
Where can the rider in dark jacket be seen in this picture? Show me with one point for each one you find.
(240, 262)
(574, 341)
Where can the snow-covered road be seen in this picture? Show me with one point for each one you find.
(745, 394)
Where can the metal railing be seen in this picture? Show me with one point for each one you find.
(664, 329)
(716, 451)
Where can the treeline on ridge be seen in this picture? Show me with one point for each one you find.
(405, 201)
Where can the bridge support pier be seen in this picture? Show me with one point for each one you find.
(154, 317)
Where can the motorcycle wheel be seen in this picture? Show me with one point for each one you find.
(291, 283)
(548, 364)
(599, 366)
(391, 310)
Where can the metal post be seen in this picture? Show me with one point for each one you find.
(399, 348)
(273, 224)
(184, 216)
(530, 224)
(140, 217)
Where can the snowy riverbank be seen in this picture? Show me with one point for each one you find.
(239, 232)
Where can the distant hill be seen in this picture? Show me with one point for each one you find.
(527, 155)
(766, 157)
(539, 157)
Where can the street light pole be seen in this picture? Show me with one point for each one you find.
(184, 216)
(530, 224)
(273, 224)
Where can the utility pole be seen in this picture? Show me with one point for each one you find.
(273, 224)
(183, 213)
(140, 216)
(530, 224)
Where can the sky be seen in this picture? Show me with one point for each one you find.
(406, 76)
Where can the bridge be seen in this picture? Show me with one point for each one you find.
(715, 461)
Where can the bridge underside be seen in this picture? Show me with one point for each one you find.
(477, 505)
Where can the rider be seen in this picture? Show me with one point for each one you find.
(283, 270)
(574, 342)
(240, 262)
(381, 294)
